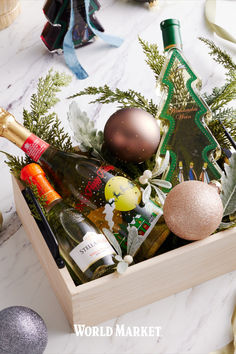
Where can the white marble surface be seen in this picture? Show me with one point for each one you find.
(195, 321)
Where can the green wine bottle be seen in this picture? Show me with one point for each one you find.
(99, 191)
(81, 244)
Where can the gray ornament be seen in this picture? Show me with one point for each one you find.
(22, 331)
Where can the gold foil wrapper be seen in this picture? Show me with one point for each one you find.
(11, 130)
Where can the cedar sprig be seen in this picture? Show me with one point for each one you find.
(219, 55)
(220, 97)
(154, 58)
(129, 98)
(16, 163)
(40, 121)
(46, 96)
(42, 200)
(227, 117)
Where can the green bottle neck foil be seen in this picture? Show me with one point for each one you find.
(171, 34)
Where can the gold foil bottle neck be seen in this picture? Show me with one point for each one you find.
(11, 129)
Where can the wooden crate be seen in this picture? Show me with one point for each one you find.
(113, 295)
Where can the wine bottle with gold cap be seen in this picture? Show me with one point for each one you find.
(99, 191)
(81, 244)
(182, 113)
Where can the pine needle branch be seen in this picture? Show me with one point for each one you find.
(227, 117)
(46, 96)
(154, 60)
(219, 55)
(42, 200)
(40, 121)
(220, 97)
(129, 98)
(16, 163)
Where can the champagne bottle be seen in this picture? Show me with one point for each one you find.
(81, 244)
(99, 191)
(182, 113)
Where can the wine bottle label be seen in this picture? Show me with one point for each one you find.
(94, 247)
(143, 224)
(34, 147)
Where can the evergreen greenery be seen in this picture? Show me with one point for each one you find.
(220, 97)
(217, 100)
(44, 123)
(219, 55)
(42, 200)
(154, 59)
(129, 98)
(227, 116)
(40, 121)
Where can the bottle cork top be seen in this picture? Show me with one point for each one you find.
(34, 174)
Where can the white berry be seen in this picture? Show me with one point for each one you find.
(147, 174)
(143, 180)
(128, 259)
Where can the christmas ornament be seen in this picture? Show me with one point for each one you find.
(190, 142)
(22, 330)
(132, 135)
(193, 210)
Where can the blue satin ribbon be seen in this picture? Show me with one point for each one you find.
(69, 50)
(114, 41)
(68, 44)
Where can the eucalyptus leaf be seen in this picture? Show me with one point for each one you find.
(146, 194)
(228, 181)
(133, 233)
(161, 183)
(136, 244)
(163, 166)
(112, 240)
(160, 195)
(84, 129)
(226, 225)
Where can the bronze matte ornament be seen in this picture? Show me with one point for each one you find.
(132, 135)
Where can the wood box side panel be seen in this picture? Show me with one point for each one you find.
(60, 280)
(156, 278)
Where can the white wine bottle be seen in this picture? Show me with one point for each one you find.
(99, 191)
(81, 244)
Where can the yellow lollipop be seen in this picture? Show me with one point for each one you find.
(125, 194)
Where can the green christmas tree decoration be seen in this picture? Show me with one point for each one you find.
(189, 141)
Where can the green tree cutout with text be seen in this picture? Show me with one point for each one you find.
(189, 141)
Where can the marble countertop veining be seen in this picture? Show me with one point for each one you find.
(195, 321)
